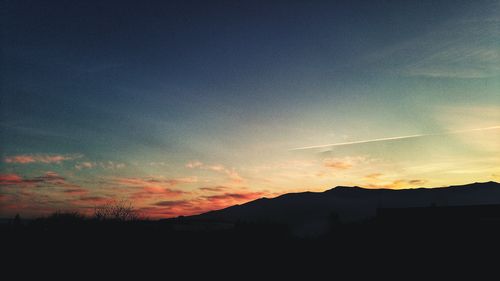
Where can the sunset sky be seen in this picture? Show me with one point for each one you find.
(187, 106)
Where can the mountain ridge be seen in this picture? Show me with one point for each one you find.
(311, 211)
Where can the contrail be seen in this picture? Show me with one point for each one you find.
(396, 138)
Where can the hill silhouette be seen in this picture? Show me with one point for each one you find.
(342, 227)
(311, 212)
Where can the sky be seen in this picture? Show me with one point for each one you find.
(181, 107)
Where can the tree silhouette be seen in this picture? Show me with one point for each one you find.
(16, 222)
(117, 211)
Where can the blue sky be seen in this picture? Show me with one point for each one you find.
(197, 94)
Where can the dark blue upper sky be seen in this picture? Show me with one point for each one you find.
(76, 64)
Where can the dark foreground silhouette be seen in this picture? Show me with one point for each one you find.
(414, 233)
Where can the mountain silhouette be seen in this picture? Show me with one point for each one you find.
(312, 212)
(342, 226)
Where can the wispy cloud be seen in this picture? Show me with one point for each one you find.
(472, 115)
(109, 165)
(374, 176)
(91, 201)
(84, 165)
(174, 203)
(148, 188)
(214, 188)
(342, 163)
(155, 164)
(171, 208)
(41, 158)
(226, 198)
(194, 164)
(465, 47)
(218, 168)
(145, 193)
(155, 181)
(10, 179)
(49, 179)
(76, 191)
(175, 208)
(396, 138)
(400, 183)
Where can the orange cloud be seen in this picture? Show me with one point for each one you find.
(374, 176)
(233, 197)
(152, 192)
(214, 188)
(339, 165)
(173, 208)
(376, 180)
(10, 179)
(53, 179)
(30, 196)
(147, 188)
(396, 184)
(417, 182)
(155, 181)
(40, 158)
(182, 203)
(47, 180)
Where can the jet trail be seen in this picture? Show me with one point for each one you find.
(396, 138)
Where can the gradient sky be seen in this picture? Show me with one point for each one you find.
(187, 106)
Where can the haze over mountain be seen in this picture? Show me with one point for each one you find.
(310, 212)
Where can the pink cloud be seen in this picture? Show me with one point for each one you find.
(40, 158)
(214, 188)
(148, 188)
(46, 180)
(53, 179)
(400, 183)
(230, 197)
(339, 165)
(154, 182)
(21, 159)
(10, 179)
(172, 208)
(152, 192)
